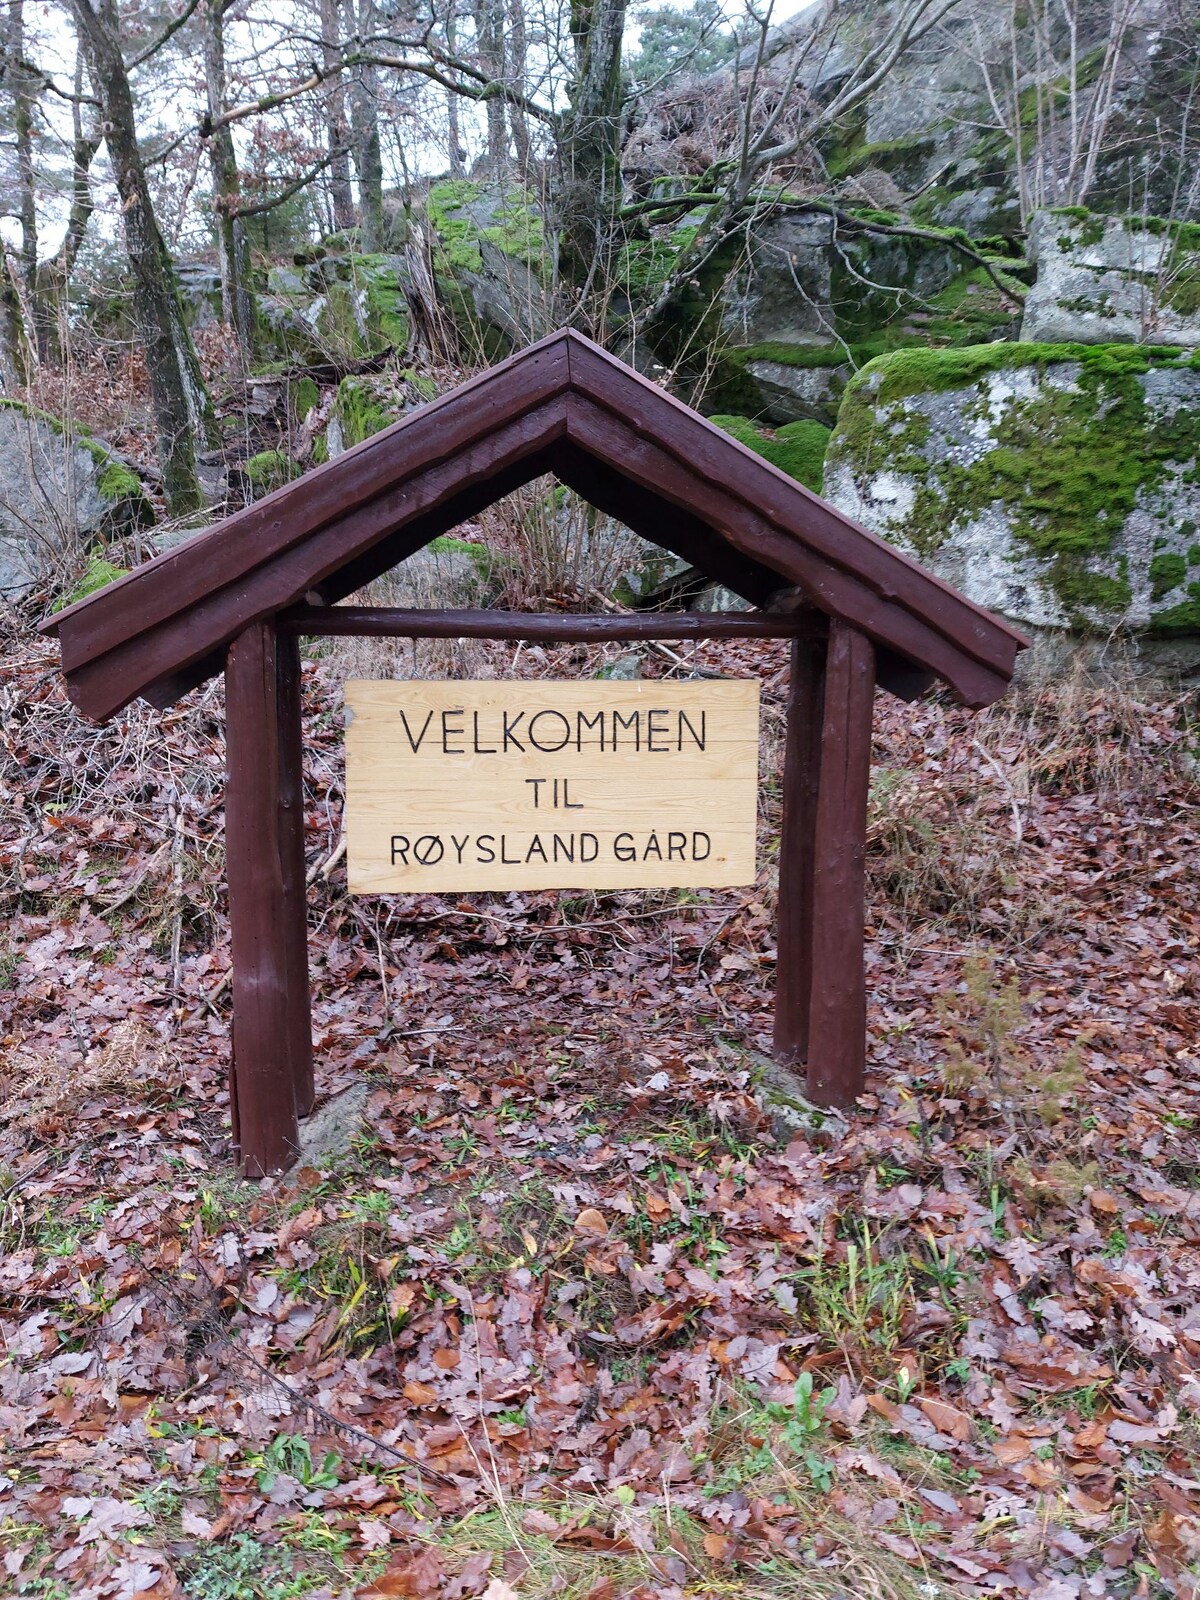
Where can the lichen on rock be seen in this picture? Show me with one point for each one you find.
(62, 491)
(1104, 280)
(1058, 484)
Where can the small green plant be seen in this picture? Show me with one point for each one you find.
(858, 1304)
(802, 1421)
(984, 1053)
(290, 1454)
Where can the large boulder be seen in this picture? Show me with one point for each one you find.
(1108, 280)
(1057, 484)
(335, 305)
(493, 260)
(818, 295)
(60, 493)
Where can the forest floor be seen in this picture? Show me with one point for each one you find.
(568, 1318)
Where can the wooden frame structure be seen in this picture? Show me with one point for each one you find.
(237, 597)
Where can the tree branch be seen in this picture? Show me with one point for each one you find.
(171, 28)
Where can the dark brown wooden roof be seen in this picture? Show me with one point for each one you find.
(563, 406)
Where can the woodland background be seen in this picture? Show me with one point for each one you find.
(581, 1309)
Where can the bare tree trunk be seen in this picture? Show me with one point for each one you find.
(182, 411)
(368, 149)
(53, 276)
(458, 156)
(24, 94)
(489, 34)
(589, 152)
(233, 250)
(516, 67)
(339, 139)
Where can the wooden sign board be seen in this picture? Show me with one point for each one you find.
(544, 785)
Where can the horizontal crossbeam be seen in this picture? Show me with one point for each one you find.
(545, 626)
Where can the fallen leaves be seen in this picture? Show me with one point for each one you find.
(572, 1268)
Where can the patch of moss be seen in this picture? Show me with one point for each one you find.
(116, 482)
(1167, 571)
(304, 396)
(798, 448)
(1067, 465)
(790, 355)
(481, 557)
(99, 575)
(923, 371)
(269, 469)
(386, 307)
(517, 230)
(359, 411)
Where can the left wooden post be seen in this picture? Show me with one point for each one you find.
(271, 1073)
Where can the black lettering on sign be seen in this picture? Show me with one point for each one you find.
(505, 859)
(428, 850)
(565, 846)
(696, 852)
(400, 849)
(677, 847)
(653, 732)
(485, 848)
(588, 841)
(549, 749)
(582, 722)
(537, 848)
(415, 743)
(460, 845)
(448, 733)
(634, 721)
(698, 738)
(623, 847)
(481, 749)
(510, 731)
(653, 849)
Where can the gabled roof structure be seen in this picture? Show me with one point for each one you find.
(562, 406)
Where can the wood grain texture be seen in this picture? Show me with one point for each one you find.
(544, 626)
(290, 731)
(797, 845)
(838, 1010)
(264, 1068)
(562, 405)
(496, 786)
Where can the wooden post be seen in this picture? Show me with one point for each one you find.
(801, 768)
(262, 845)
(838, 1011)
(291, 842)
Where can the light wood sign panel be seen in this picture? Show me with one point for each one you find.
(500, 785)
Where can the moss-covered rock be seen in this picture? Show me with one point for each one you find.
(62, 493)
(366, 405)
(1104, 280)
(339, 306)
(494, 262)
(798, 448)
(1058, 484)
(266, 471)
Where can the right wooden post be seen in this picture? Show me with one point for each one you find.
(797, 841)
(837, 1022)
(820, 994)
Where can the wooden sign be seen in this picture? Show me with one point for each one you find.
(544, 785)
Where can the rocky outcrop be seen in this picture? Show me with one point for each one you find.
(60, 492)
(492, 259)
(334, 305)
(1056, 484)
(1108, 280)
